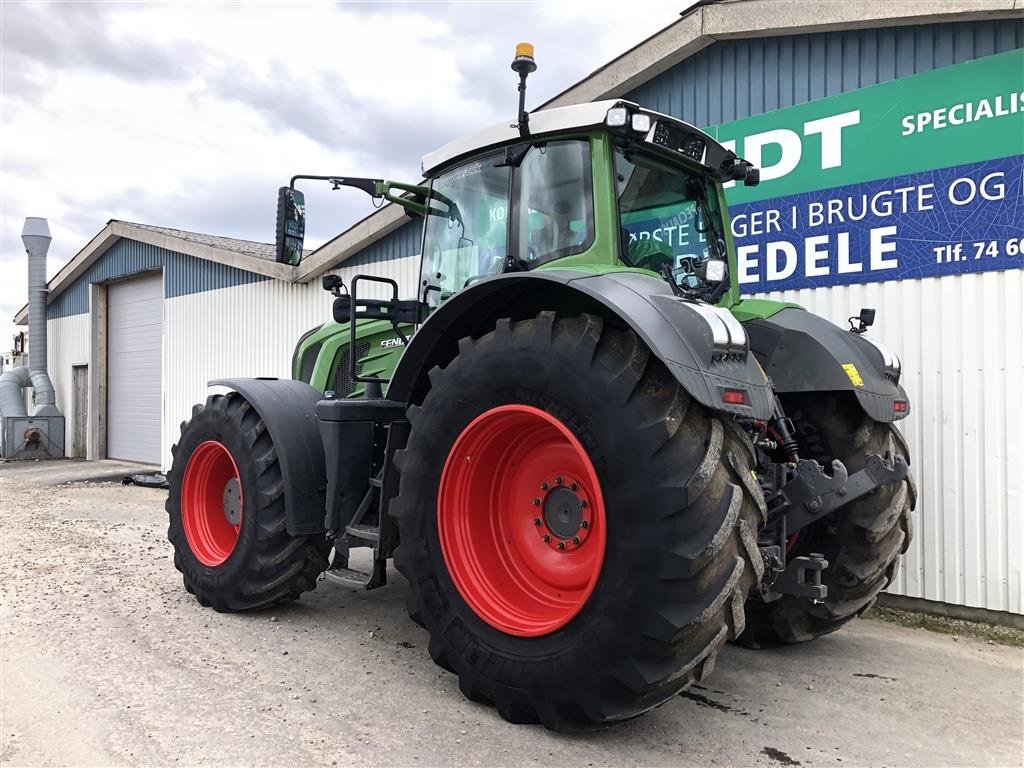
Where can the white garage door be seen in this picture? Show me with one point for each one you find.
(134, 336)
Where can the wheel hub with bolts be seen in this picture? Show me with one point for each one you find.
(233, 501)
(564, 520)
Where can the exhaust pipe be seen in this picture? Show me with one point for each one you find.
(36, 237)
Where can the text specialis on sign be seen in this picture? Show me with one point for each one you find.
(850, 195)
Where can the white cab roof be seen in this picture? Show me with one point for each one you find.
(581, 116)
(545, 121)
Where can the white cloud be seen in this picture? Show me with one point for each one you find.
(191, 116)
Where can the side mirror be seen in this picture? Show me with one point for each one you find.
(291, 225)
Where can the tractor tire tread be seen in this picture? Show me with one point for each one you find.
(278, 567)
(702, 575)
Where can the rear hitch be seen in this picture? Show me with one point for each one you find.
(811, 494)
(800, 576)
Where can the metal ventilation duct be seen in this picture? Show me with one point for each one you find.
(42, 433)
(36, 237)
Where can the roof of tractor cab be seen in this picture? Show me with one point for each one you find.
(542, 122)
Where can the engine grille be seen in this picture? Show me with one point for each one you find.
(343, 383)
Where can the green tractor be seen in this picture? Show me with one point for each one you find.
(592, 461)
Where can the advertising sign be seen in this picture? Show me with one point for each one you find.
(918, 177)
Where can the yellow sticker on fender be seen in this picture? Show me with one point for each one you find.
(854, 374)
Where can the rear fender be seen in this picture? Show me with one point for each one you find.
(704, 347)
(803, 352)
(288, 409)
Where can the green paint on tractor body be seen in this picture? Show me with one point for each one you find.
(328, 344)
(759, 309)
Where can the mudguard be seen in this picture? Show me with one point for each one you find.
(288, 409)
(703, 346)
(803, 352)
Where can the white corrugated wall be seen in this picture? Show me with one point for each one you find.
(248, 330)
(961, 340)
(67, 345)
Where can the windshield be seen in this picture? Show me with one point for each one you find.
(466, 235)
(668, 218)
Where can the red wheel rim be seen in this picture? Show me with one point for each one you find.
(211, 492)
(521, 520)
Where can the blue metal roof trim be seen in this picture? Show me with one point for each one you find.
(734, 79)
(404, 241)
(183, 275)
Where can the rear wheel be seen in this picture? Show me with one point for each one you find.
(862, 541)
(227, 515)
(579, 535)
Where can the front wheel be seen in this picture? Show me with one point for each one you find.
(579, 535)
(227, 514)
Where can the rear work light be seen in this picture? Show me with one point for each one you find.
(616, 117)
(734, 396)
(640, 123)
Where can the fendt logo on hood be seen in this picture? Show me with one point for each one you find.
(388, 343)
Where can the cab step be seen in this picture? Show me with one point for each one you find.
(351, 577)
(370, 533)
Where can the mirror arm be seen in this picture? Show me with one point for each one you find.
(422, 209)
(381, 189)
(412, 205)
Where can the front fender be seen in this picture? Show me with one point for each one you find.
(288, 409)
(704, 347)
(803, 352)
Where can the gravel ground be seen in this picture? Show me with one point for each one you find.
(105, 660)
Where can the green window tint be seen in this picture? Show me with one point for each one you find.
(556, 208)
(466, 236)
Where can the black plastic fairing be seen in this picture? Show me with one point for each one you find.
(288, 409)
(677, 332)
(349, 429)
(803, 352)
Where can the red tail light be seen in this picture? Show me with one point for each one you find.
(734, 396)
(899, 406)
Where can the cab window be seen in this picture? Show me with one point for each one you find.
(661, 219)
(466, 234)
(555, 211)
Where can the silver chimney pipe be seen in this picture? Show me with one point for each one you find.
(36, 237)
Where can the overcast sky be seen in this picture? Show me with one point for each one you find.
(190, 116)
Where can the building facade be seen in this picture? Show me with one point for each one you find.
(885, 135)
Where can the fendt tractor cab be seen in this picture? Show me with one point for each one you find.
(592, 460)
